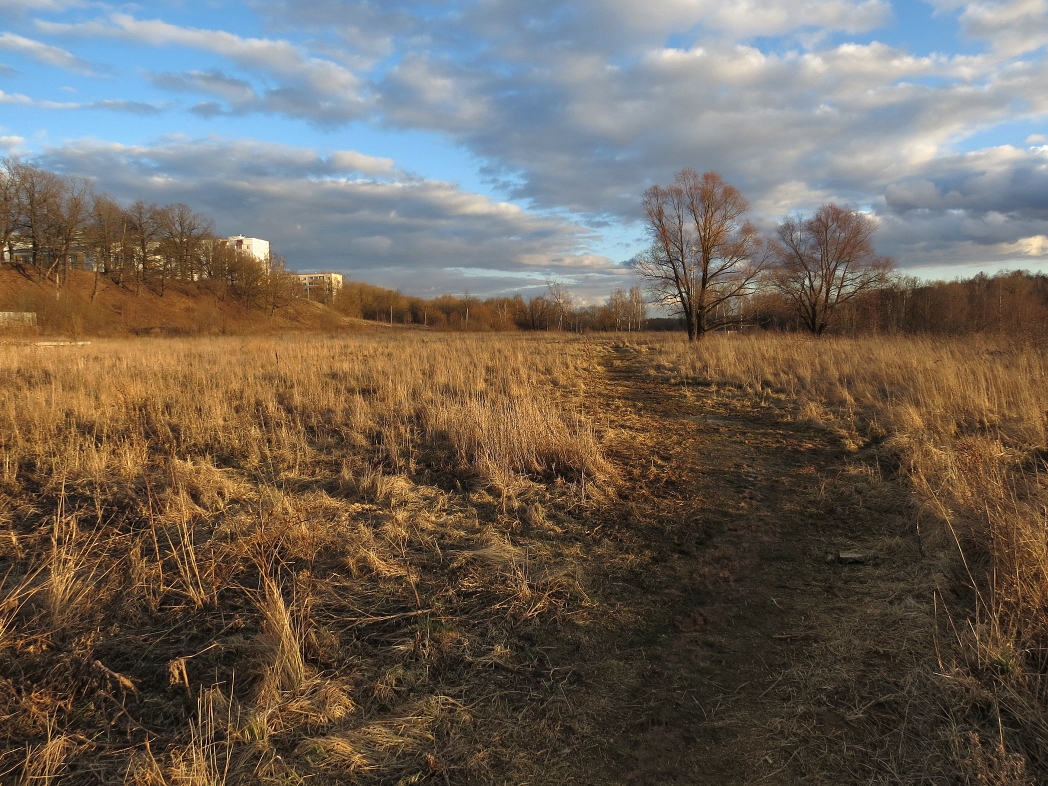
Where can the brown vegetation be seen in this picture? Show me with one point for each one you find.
(374, 558)
(242, 559)
(92, 307)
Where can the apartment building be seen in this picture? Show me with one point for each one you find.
(257, 248)
(320, 286)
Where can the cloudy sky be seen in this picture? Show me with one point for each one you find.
(481, 145)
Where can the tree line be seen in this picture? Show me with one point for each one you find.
(50, 225)
(553, 309)
(1012, 303)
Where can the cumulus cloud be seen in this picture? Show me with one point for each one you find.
(398, 230)
(984, 206)
(237, 92)
(584, 109)
(1012, 27)
(352, 161)
(20, 7)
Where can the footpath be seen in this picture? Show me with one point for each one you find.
(776, 623)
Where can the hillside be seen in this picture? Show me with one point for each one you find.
(183, 309)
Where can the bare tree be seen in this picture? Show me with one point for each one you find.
(105, 239)
(559, 299)
(637, 311)
(535, 313)
(53, 212)
(279, 285)
(704, 257)
(38, 193)
(68, 219)
(826, 261)
(146, 221)
(183, 232)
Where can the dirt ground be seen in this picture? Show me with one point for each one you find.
(734, 645)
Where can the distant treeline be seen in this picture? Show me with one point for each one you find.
(553, 310)
(1010, 303)
(50, 225)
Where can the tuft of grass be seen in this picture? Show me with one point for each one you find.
(45, 763)
(284, 629)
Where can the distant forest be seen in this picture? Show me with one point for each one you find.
(1011, 303)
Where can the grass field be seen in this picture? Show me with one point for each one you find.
(424, 558)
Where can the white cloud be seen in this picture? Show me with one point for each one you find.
(352, 161)
(748, 18)
(112, 105)
(1012, 28)
(579, 107)
(44, 53)
(310, 87)
(1033, 246)
(19, 7)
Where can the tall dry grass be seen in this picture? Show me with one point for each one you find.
(230, 560)
(968, 420)
(280, 409)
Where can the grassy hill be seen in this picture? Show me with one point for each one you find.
(80, 309)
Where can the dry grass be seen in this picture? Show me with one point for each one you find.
(260, 560)
(968, 419)
(233, 560)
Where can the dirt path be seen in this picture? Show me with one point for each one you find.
(740, 648)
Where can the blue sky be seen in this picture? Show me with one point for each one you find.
(444, 145)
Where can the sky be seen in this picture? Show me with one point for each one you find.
(486, 145)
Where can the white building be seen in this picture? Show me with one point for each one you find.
(320, 286)
(259, 249)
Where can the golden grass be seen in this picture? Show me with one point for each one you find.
(968, 419)
(252, 560)
(230, 560)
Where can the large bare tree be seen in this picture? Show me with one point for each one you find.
(704, 257)
(825, 261)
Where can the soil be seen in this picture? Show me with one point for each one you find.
(733, 644)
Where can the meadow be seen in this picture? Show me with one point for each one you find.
(349, 558)
(223, 553)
